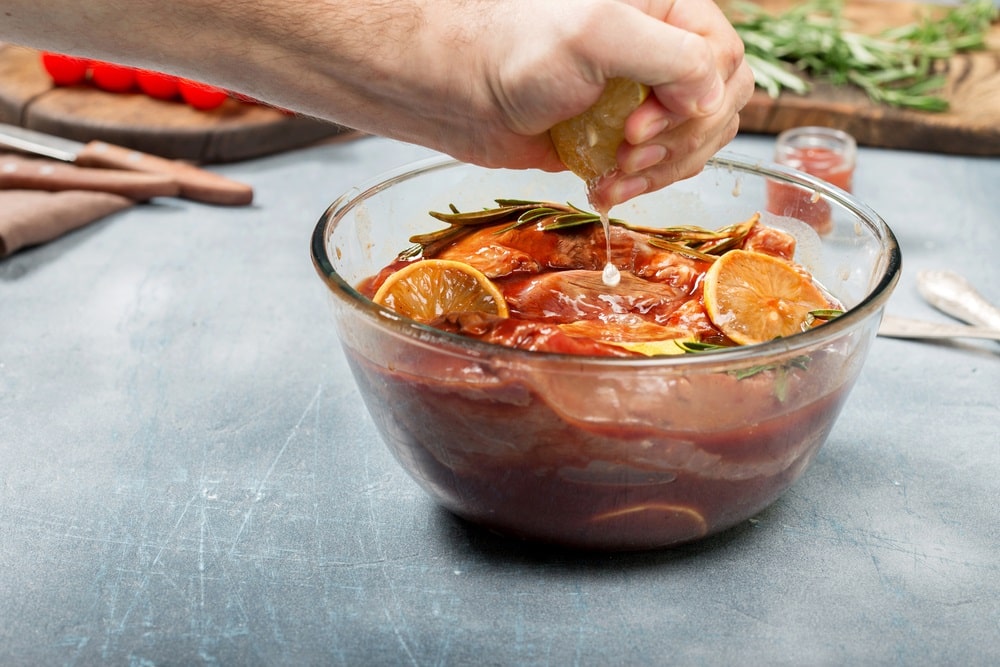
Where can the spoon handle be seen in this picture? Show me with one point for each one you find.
(952, 294)
(900, 327)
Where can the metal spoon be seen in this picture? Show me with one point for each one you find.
(901, 327)
(954, 295)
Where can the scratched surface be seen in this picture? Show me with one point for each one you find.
(187, 475)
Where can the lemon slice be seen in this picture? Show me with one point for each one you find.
(663, 512)
(588, 144)
(655, 348)
(752, 297)
(429, 288)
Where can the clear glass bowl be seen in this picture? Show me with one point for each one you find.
(597, 452)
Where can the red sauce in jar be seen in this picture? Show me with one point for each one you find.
(829, 164)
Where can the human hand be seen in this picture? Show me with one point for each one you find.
(689, 119)
(687, 52)
(482, 81)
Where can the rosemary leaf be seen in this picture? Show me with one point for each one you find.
(693, 346)
(681, 249)
(823, 315)
(826, 313)
(688, 240)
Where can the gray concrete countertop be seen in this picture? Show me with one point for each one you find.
(188, 475)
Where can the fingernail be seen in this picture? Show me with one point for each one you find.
(644, 157)
(627, 188)
(652, 130)
(712, 100)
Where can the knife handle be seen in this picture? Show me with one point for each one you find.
(22, 174)
(195, 183)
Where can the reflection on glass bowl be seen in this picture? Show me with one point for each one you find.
(598, 452)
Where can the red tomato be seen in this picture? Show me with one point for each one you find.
(201, 96)
(65, 70)
(157, 85)
(112, 78)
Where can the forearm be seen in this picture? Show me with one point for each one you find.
(482, 80)
(303, 54)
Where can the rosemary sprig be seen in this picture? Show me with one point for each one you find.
(801, 362)
(825, 313)
(781, 371)
(896, 67)
(694, 346)
(681, 249)
(688, 240)
(822, 315)
(516, 212)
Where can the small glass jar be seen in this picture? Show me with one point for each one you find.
(823, 152)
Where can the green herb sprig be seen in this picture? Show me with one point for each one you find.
(689, 240)
(896, 67)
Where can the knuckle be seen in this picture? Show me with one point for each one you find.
(744, 84)
(692, 143)
(732, 129)
(699, 59)
(732, 58)
(579, 27)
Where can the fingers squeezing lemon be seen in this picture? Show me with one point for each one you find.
(588, 144)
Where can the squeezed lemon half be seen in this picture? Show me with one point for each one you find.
(588, 143)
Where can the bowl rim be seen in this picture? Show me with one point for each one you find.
(890, 267)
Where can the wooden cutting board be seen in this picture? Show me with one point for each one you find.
(235, 131)
(971, 126)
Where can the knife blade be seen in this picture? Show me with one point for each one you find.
(194, 183)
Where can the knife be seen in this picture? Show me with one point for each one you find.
(193, 183)
(18, 173)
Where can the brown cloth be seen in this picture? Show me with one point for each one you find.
(31, 217)
(41, 199)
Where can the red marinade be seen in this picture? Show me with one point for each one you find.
(512, 453)
(610, 458)
(558, 302)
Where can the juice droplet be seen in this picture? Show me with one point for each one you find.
(611, 276)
